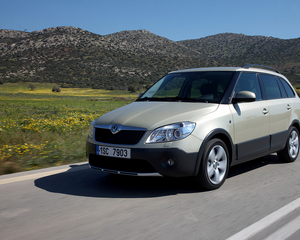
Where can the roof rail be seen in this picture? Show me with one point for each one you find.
(247, 66)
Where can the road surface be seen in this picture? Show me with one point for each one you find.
(259, 200)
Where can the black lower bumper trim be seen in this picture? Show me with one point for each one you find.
(120, 164)
(146, 161)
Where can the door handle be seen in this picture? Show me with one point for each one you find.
(265, 111)
(288, 107)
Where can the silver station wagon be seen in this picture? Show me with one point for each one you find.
(198, 122)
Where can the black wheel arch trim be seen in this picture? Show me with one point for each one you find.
(222, 135)
(295, 123)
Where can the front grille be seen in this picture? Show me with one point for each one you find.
(123, 137)
(121, 164)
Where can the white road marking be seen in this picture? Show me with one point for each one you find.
(37, 175)
(265, 222)
(286, 231)
(31, 176)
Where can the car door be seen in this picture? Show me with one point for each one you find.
(280, 107)
(251, 119)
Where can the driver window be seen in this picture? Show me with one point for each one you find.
(249, 82)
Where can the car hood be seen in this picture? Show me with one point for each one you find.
(151, 115)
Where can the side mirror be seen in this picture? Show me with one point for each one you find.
(244, 96)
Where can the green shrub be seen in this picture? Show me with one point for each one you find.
(56, 89)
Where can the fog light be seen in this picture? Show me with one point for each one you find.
(170, 162)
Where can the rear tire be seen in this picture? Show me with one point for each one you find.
(214, 165)
(291, 149)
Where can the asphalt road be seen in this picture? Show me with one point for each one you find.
(259, 200)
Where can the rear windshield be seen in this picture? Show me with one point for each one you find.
(190, 86)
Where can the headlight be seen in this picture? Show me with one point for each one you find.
(173, 132)
(91, 134)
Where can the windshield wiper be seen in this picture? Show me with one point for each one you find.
(173, 99)
(148, 99)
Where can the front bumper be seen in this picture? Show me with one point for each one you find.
(145, 162)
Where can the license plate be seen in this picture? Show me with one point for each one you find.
(113, 152)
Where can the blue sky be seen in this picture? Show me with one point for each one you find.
(173, 19)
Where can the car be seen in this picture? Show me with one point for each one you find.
(199, 122)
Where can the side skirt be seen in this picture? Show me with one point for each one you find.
(259, 147)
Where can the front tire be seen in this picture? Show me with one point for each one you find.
(291, 149)
(214, 165)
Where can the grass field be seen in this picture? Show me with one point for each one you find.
(41, 128)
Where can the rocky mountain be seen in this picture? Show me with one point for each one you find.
(240, 49)
(143, 42)
(75, 57)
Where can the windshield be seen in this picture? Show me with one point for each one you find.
(189, 86)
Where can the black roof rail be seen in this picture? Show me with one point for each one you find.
(247, 66)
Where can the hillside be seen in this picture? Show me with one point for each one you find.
(238, 49)
(75, 57)
(143, 42)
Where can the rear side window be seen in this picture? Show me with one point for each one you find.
(287, 88)
(271, 86)
(282, 90)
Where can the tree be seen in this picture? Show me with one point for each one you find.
(134, 88)
(32, 87)
(56, 89)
